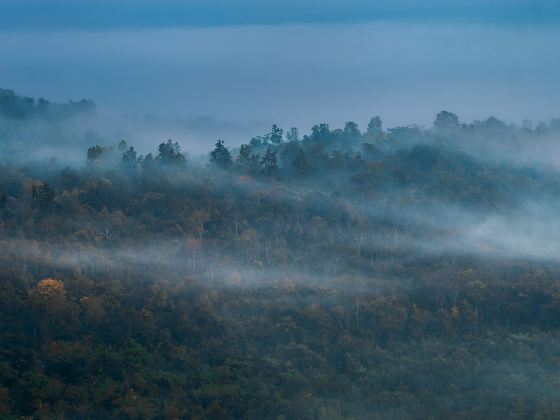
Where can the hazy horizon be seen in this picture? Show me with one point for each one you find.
(293, 74)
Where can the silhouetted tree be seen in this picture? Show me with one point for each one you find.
(276, 135)
(321, 131)
(375, 126)
(246, 160)
(351, 129)
(269, 163)
(170, 154)
(220, 156)
(446, 120)
(292, 135)
(147, 163)
(258, 141)
(129, 156)
(244, 156)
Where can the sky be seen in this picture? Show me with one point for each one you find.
(252, 63)
(95, 14)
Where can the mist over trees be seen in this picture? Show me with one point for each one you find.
(18, 107)
(354, 272)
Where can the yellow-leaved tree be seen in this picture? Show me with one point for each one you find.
(48, 299)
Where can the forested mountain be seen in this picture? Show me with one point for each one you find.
(386, 273)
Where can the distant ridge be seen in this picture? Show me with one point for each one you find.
(22, 107)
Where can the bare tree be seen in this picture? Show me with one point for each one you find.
(106, 232)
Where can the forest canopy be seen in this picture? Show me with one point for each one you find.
(349, 272)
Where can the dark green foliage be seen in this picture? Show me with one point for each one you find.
(375, 126)
(446, 120)
(276, 135)
(351, 129)
(269, 163)
(244, 157)
(320, 132)
(221, 157)
(129, 156)
(148, 163)
(259, 141)
(95, 153)
(309, 325)
(246, 161)
(292, 135)
(170, 154)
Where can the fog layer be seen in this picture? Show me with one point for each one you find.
(294, 74)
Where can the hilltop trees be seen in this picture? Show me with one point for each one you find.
(351, 130)
(15, 106)
(276, 135)
(292, 135)
(375, 126)
(95, 153)
(312, 279)
(320, 132)
(244, 156)
(170, 154)
(247, 161)
(105, 157)
(221, 156)
(446, 120)
(129, 156)
(269, 163)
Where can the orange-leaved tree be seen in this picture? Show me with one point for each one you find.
(48, 299)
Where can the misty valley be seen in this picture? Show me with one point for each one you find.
(341, 273)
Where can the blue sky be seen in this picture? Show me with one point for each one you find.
(56, 14)
(288, 62)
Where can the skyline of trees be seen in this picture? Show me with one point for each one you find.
(402, 273)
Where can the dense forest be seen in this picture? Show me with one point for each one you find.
(405, 273)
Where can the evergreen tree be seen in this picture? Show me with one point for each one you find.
(292, 135)
(269, 162)
(147, 163)
(446, 120)
(375, 126)
(220, 156)
(320, 132)
(351, 129)
(276, 135)
(129, 156)
(170, 154)
(244, 156)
